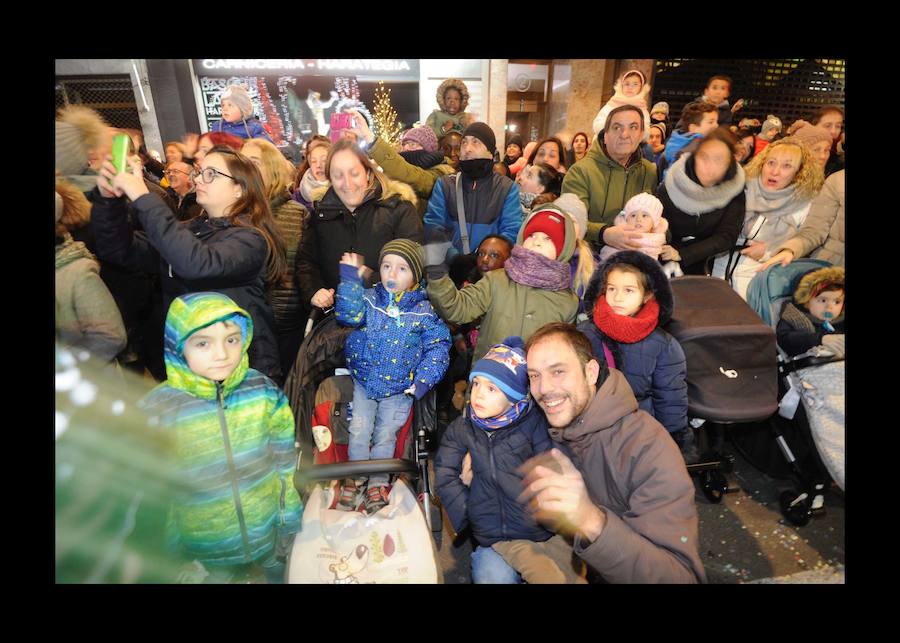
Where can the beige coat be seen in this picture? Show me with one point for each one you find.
(822, 234)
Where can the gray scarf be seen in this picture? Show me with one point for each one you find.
(772, 204)
(309, 183)
(694, 199)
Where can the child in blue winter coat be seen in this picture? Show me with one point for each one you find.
(398, 352)
(478, 476)
(631, 299)
(237, 115)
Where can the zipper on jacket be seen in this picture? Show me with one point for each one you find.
(233, 471)
(490, 437)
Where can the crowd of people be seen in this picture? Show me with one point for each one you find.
(526, 284)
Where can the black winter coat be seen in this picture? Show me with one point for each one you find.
(490, 505)
(199, 255)
(331, 230)
(655, 367)
(712, 232)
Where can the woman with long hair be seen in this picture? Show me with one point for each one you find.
(234, 247)
(360, 211)
(277, 173)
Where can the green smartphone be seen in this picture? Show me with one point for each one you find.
(120, 152)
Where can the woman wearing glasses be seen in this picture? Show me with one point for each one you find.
(234, 248)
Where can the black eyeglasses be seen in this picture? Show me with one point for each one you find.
(209, 175)
(172, 171)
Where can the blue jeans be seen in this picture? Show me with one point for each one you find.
(374, 426)
(489, 568)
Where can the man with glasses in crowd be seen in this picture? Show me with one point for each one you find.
(181, 189)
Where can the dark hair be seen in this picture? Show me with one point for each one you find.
(549, 177)
(572, 336)
(693, 112)
(826, 109)
(720, 77)
(497, 236)
(720, 134)
(375, 177)
(253, 202)
(642, 277)
(559, 146)
(624, 108)
(587, 139)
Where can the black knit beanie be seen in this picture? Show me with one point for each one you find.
(483, 133)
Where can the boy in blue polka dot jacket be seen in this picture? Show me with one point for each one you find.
(399, 352)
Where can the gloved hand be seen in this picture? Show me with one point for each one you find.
(672, 269)
(436, 260)
(834, 343)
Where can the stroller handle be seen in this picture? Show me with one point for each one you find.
(359, 468)
(801, 362)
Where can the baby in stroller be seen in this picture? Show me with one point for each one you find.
(398, 352)
(816, 315)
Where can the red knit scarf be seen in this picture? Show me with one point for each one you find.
(628, 330)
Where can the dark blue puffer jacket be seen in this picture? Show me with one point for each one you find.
(655, 367)
(489, 505)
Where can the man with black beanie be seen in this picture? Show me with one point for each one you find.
(490, 201)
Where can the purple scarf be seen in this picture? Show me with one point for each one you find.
(532, 269)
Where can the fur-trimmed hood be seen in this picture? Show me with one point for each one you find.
(812, 280)
(645, 86)
(394, 188)
(659, 283)
(459, 86)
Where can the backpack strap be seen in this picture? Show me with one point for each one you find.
(461, 215)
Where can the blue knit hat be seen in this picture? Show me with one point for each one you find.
(505, 366)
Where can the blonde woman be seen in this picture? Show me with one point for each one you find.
(782, 181)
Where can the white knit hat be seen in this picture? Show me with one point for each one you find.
(645, 202)
(574, 207)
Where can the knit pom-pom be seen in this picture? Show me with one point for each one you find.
(514, 341)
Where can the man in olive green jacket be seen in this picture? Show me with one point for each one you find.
(612, 172)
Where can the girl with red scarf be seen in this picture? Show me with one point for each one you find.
(630, 299)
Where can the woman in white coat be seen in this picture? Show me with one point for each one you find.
(782, 182)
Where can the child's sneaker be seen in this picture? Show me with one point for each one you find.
(376, 498)
(350, 492)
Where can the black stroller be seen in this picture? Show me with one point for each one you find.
(731, 371)
(319, 389)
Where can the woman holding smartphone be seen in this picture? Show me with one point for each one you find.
(233, 248)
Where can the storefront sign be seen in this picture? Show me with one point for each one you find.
(397, 69)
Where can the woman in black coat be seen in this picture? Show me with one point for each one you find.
(703, 201)
(360, 212)
(233, 248)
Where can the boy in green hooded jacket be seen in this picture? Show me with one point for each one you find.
(233, 437)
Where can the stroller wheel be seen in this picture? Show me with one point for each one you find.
(796, 508)
(714, 485)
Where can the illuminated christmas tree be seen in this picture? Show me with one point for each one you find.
(385, 116)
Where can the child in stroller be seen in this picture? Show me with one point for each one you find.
(816, 316)
(804, 301)
(397, 354)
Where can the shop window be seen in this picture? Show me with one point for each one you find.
(789, 88)
(111, 96)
